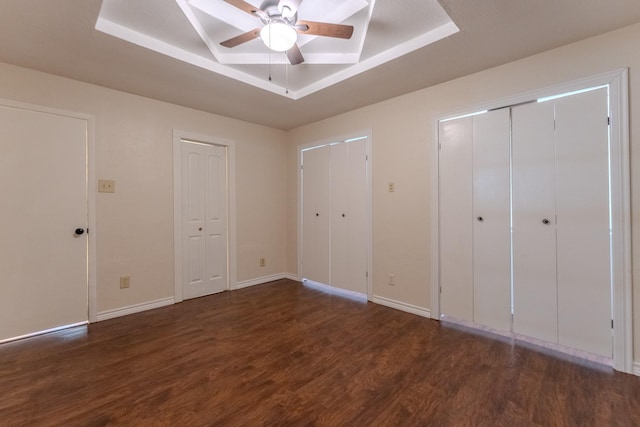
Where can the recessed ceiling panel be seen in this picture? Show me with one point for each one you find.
(193, 30)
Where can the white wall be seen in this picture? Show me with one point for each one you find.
(134, 147)
(403, 133)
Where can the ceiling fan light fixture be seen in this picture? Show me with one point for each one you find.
(278, 36)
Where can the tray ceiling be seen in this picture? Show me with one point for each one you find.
(191, 31)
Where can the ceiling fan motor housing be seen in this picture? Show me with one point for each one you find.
(280, 10)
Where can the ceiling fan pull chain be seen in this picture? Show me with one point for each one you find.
(269, 54)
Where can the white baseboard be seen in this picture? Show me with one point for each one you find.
(265, 279)
(409, 308)
(636, 368)
(136, 308)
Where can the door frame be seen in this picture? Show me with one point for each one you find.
(618, 81)
(91, 186)
(367, 133)
(178, 137)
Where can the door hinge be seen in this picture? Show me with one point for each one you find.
(609, 121)
(366, 273)
(611, 323)
(301, 167)
(440, 289)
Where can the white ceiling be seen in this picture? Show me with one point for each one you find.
(154, 48)
(191, 31)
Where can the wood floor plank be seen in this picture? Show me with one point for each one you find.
(285, 354)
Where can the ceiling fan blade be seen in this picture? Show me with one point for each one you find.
(242, 38)
(294, 55)
(324, 29)
(246, 7)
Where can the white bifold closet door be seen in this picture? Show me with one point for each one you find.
(204, 213)
(455, 217)
(491, 220)
(561, 229)
(316, 205)
(535, 301)
(335, 219)
(349, 220)
(583, 229)
(475, 246)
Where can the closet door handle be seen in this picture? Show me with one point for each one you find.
(343, 215)
(546, 221)
(317, 214)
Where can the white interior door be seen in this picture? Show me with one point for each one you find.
(491, 220)
(43, 164)
(535, 296)
(316, 214)
(204, 216)
(349, 219)
(456, 246)
(583, 229)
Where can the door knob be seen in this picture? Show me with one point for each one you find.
(199, 228)
(317, 214)
(79, 231)
(480, 219)
(546, 221)
(343, 215)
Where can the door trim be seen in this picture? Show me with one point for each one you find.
(369, 185)
(91, 185)
(620, 200)
(178, 137)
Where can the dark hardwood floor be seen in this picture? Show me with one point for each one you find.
(285, 354)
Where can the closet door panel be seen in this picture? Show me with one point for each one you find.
(583, 239)
(491, 220)
(349, 220)
(456, 253)
(357, 218)
(339, 225)
(315, 214)
(533, 187)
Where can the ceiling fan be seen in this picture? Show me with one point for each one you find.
(281, 27)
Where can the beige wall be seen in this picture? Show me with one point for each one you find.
(134, 137)
(403, 133)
